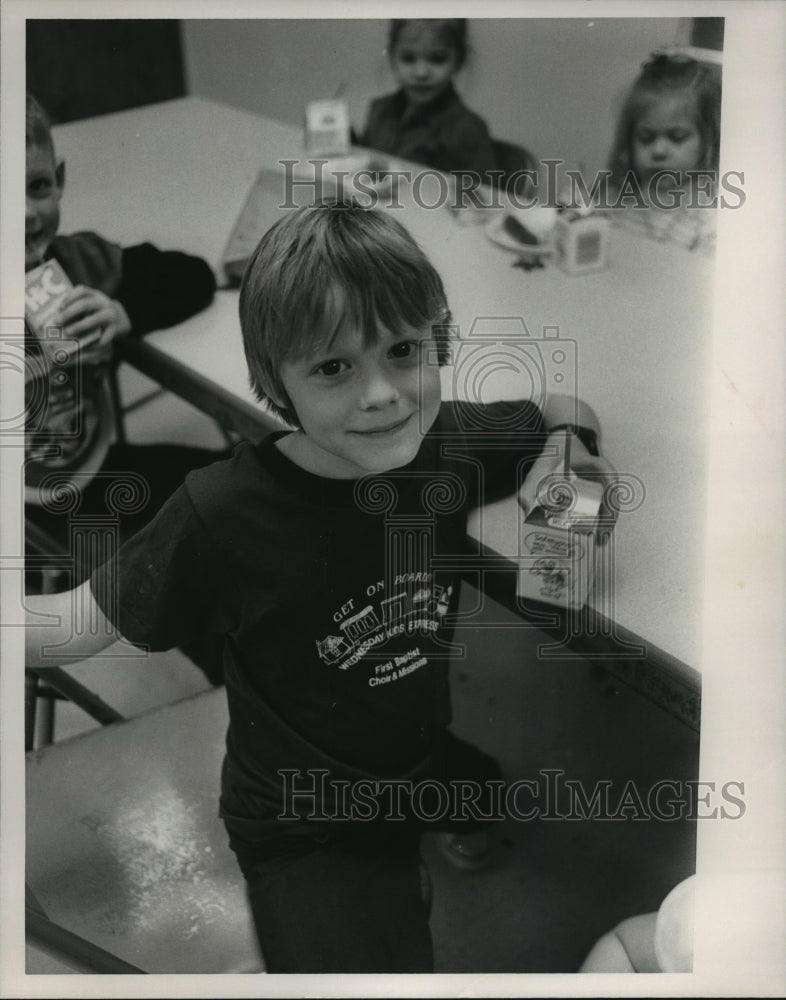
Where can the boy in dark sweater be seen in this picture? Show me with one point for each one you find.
(118, 292)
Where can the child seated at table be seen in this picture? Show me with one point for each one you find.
(118, 291)
(425, 120)
(669, 126)
(312, 555)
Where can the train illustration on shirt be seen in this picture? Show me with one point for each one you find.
(411, 612)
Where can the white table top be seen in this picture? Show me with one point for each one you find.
(177, 173)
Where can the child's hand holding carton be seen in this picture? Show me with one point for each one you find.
(56, 309)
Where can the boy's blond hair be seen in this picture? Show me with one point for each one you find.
(38, 126)
(325, 268)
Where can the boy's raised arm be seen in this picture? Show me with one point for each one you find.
(71, 622)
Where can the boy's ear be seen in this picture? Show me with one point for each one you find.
(280, 399)
(60, 173)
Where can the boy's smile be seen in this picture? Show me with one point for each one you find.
(363, 407)
(43, 190)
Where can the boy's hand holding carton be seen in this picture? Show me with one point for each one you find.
(86, 310)
(54, 308)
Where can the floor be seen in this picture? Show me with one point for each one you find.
(553, 885)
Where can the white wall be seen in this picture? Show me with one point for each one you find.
(551, 84)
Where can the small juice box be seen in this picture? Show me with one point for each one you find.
(45, 288)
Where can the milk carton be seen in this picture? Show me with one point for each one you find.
(327, 128)
(556, 563)
(581, 242)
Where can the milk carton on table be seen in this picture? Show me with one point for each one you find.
(556, 563)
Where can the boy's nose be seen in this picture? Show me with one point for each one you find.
(31, 211)
(378, 392)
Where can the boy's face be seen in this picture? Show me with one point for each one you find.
(666, 138)
(364, 408)
(43, 190)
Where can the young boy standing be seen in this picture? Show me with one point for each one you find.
(322, 557)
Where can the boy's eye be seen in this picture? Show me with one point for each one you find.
(331, 368)
(645, 138)
(403, 349)
(678, 136)
(39, 187)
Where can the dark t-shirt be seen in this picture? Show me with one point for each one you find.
(332, 596)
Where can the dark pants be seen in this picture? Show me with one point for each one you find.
(113, 494)
(351, 905)
(348, 900)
